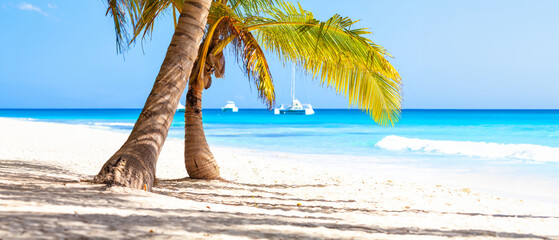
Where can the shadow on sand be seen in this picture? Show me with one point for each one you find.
(85, 211)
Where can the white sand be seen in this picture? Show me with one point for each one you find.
(273, 196)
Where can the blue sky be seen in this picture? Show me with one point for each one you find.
(450, 54)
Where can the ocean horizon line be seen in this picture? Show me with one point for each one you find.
(349, 109)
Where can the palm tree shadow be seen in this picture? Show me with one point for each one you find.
(44, 184)
(187, 188)
(36, 183)
(277, 197)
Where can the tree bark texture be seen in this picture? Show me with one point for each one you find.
(134, 164)
(199, 160)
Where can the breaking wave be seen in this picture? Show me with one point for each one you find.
(529, 152)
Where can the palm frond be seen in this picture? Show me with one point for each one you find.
(248, 7)
(341, 57)
(123, 13)
(149, 12)
(140, 16)
(256, 66)
(249, 54)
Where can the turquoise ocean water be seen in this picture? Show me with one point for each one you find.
(523, 142)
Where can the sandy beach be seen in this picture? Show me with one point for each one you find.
(269, 196)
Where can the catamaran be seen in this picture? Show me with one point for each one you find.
(296, 108)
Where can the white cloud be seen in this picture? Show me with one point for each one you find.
(52, 6)
(29, 7)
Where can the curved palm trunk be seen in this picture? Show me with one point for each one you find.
(133, 165)
(199, 160)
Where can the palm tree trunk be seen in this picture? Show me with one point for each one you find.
(134, 164)
(199, 160)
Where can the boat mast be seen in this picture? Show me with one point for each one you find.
(292, 83)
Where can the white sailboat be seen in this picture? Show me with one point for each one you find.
(230, 107)
(296, 108)
(180, 107)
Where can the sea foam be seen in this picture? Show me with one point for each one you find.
(529, 152)
(116, 124)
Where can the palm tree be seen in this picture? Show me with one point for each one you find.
(331, 51)
(133, 165)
